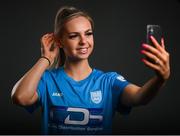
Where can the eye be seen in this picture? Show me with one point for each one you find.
(89, 33)
(73, 36)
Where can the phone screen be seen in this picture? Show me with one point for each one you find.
(155, 31)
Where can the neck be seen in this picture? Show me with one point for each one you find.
(77, 70)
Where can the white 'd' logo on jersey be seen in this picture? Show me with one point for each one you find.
(96, 96)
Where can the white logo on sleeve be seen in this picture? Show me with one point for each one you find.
(96, 96)
(121, 78)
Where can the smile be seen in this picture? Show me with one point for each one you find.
(83, 50)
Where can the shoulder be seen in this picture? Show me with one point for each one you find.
(105, 75)
(110, 76)
(52, 73)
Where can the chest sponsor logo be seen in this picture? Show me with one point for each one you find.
(86, 116)
(76, 116)
(96, 96)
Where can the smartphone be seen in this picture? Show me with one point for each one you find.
(155, 31)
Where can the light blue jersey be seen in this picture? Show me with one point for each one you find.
(79, 107)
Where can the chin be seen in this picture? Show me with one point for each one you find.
(82, 56)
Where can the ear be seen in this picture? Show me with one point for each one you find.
(58, 42)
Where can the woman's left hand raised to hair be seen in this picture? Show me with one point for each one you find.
(159, 56)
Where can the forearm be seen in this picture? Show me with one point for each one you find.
(149, 90)
(25, 88)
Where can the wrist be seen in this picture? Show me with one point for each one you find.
(160, 80)
(47, 60)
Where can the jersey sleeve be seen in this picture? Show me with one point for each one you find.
(118, 85)
(41, 89)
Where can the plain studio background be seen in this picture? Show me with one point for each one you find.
(120, 29)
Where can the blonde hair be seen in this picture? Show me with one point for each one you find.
(63, 15)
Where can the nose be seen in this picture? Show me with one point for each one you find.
(83, 40)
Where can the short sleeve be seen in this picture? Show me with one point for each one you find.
(41, 89)
(118, 85)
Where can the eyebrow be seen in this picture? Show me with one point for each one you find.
(78, 32)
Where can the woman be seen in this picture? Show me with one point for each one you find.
(76, 98)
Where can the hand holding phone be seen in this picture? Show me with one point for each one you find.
(156, 32)
(157, 58)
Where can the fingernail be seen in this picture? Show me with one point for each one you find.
(151, 36)
(142, 59)
(142, 51)
(144, 45)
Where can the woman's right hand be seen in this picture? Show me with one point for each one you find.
(48, 47)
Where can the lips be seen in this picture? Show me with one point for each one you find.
(83, 50)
